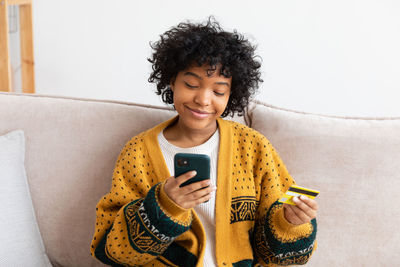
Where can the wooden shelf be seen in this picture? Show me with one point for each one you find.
(26, 39)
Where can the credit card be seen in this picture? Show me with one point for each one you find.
(297, 191)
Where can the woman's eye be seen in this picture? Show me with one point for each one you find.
(190, 86)
(219, 94)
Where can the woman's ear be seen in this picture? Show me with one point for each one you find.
(172, 83)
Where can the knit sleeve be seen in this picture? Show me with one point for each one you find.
(277, 241)
(136, 221)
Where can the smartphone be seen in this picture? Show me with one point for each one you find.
(185, 162)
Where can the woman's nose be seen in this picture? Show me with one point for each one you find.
(203, 97)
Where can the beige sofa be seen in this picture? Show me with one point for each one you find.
(72, 145)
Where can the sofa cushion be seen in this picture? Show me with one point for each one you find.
(21, 243)
(354, 163)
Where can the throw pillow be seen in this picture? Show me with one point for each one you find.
(21, 242)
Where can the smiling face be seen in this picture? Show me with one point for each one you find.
(200, 97)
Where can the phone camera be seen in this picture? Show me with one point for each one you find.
(182, 162)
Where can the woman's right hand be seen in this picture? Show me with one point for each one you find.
(190, 195)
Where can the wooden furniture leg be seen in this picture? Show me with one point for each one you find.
(26, 38)
(5, 67)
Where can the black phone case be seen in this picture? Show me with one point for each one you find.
(185, 162)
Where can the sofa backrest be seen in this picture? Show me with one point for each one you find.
(354, 163)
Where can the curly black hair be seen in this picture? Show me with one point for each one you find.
(190, 43)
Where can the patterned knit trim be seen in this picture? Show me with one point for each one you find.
(273, 223)
(141, 238)
(149, 229)
(272, 250)
(185, 224)
(160, 219)
(243, 208)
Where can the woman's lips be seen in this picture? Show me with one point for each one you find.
(199, 113)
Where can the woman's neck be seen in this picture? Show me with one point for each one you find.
(181, 136)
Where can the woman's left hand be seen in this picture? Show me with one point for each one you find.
(304, 211)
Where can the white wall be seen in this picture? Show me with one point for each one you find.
(337, 57)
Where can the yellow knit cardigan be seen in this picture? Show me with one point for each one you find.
(137, 223)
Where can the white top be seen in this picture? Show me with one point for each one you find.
(206, 211)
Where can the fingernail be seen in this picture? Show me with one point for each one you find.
(303, 197)
(194, 173)
(295, 199)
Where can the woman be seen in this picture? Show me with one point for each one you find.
(231, 219)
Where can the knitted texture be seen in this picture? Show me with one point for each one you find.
(138, 224)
